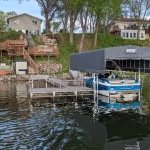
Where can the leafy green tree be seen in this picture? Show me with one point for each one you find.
(63, 14)
(73, 11)
(101, 11)
(11, 14)
(83, 7)
(12, 35)
(48, 9)
(3, 17)
(56, 25)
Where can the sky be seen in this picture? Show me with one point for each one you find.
(27, 6)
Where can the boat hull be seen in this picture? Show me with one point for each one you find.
(106, 88)
(3, 72)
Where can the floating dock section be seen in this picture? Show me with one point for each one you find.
(58, 87)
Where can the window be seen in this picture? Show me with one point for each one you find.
(127, 34)
(144, 25)
(142, 35)
(130, 35)
(134, 35)
(34, 22)
(123, 34)
(16, 21)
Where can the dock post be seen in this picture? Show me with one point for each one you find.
(53, 96)
(94, 86)
(46, 83)
(139, 96)
(60, 83)
(32, 84)
(97, 90)
(76, 94)
(31, 95)
(53, 82)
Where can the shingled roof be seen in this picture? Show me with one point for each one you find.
(131, 20)
(24, 14)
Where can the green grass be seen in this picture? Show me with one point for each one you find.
(146, 88)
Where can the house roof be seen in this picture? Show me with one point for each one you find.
(131, 20)
(24, 14)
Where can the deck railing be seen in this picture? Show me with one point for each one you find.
(43, 50)
(31, 61)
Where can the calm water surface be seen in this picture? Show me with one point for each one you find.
(38, 125)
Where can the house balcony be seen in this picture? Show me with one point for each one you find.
(131, 27)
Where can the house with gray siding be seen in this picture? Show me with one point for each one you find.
(26, 23)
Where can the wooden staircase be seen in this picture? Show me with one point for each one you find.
(30, 61)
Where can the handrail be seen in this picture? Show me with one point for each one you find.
(31, 61)
(12, 43)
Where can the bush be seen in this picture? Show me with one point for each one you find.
(12, 35)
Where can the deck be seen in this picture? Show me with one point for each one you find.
(16, 48)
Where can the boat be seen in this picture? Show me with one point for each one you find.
(118, 103)
(4, 72)
(115, 87)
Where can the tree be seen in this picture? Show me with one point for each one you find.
(56, 26)
(63, 14)
(11, 14)
(139, 9)
(111, 12)
(3, 17)
(12, 34)
(73, 13)
(83, 8)
(48, 9)
(102, 11)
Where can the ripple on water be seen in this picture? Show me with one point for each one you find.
(24, 126)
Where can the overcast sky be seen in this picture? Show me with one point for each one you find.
(27, 6)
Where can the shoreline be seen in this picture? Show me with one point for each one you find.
(26, 77)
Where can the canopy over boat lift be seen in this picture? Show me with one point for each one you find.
(128, 58)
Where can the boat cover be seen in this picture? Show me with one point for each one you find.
(95, 61)
(127, 52)
(91, 61)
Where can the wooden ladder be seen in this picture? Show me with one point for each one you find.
(30, 61)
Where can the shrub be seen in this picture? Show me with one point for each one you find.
(12, 35)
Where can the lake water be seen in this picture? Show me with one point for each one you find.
(38, 125)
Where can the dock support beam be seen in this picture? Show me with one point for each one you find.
(31, 95)
(46, 83)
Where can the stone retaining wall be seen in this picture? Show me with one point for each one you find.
(27, 77)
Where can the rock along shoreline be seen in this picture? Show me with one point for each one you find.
(27, 77)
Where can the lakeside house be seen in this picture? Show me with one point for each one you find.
(26, 23)
(127, 28)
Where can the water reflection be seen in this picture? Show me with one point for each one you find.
(37, 124)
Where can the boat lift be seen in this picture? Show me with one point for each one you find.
(95, 61)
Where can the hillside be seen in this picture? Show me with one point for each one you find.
(104, 40)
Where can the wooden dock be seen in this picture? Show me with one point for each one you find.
(59, 88)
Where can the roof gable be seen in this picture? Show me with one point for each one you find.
(24, 14)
